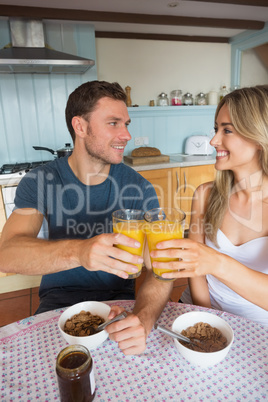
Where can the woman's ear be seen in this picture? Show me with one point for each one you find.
(79, 126)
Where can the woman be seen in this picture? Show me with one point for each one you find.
(226, 255)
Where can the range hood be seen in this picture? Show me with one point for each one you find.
(28, 53)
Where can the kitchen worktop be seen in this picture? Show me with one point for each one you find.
(178, 160)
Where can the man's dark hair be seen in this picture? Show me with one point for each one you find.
(83, 100)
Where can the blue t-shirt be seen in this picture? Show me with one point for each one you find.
(74, 210)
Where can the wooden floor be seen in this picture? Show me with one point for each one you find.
(15, 306)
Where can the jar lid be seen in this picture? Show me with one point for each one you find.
(162, 95)
(188, 94)
(201, 94)
(176, 91)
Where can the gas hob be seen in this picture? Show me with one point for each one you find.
(12, 173)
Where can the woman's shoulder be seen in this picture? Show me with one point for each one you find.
(200, 197)
(203, 190)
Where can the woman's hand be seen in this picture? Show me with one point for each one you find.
(192, 259)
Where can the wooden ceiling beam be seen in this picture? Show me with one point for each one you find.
(86, 15)
(254, 3)
(179, 38)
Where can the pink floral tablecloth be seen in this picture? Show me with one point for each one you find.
(28, 350)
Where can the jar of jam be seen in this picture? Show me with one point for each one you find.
(75, 374)
(176, 97)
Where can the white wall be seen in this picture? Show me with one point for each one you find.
(150, 67)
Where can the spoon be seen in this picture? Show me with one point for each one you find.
(177, 335)
(104, 325)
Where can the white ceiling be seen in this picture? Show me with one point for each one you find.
(183, 8)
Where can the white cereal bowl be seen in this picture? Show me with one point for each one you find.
(202, 359)
(90, 342)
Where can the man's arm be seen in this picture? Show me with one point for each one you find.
(22, 252)
(153, 295)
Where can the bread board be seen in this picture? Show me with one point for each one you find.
(146, 160)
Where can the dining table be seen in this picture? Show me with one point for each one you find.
(29, 348)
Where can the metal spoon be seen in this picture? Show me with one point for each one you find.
(104, 325)
(177, 335)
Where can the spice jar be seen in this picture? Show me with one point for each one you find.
(75, 375)
(162, 99)
(201, 99)
(188, 99)
(176, 97)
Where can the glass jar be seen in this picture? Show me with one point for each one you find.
(223, 92)
(75, 375)
(176, 97)
(201, 99)
(162, 99)
(188, 99)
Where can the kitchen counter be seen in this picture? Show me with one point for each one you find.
(177, 160)
(15, 282)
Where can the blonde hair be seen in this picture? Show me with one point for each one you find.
(248, 108)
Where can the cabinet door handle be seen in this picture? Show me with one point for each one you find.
(185, 181)
(178, 182)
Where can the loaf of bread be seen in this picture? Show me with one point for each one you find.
(145, 151)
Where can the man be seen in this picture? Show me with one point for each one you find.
(77, 195)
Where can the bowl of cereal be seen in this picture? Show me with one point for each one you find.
(77, 321)
(212, 336)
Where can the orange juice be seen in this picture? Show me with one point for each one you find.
(133, 229)
(160, 231)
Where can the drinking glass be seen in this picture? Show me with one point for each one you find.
(130, 223)
(163, 224)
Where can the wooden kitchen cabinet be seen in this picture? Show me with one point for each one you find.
(175, 187)
(185, 182)
(162, 180)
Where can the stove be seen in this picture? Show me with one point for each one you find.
(10, 176)
(11, 173)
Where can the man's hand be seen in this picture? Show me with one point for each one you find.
(99, 254)
(129, 333)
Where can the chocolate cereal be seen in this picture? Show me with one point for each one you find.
(211, 338)
(82, 324)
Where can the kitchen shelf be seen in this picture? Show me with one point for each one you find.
(172, 110)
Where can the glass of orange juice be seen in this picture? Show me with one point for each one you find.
(163, 224)
(130, 223)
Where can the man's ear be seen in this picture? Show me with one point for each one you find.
(79, 126)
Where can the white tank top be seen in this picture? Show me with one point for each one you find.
(253, 254)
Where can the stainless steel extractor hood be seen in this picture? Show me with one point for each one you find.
(28, 53)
